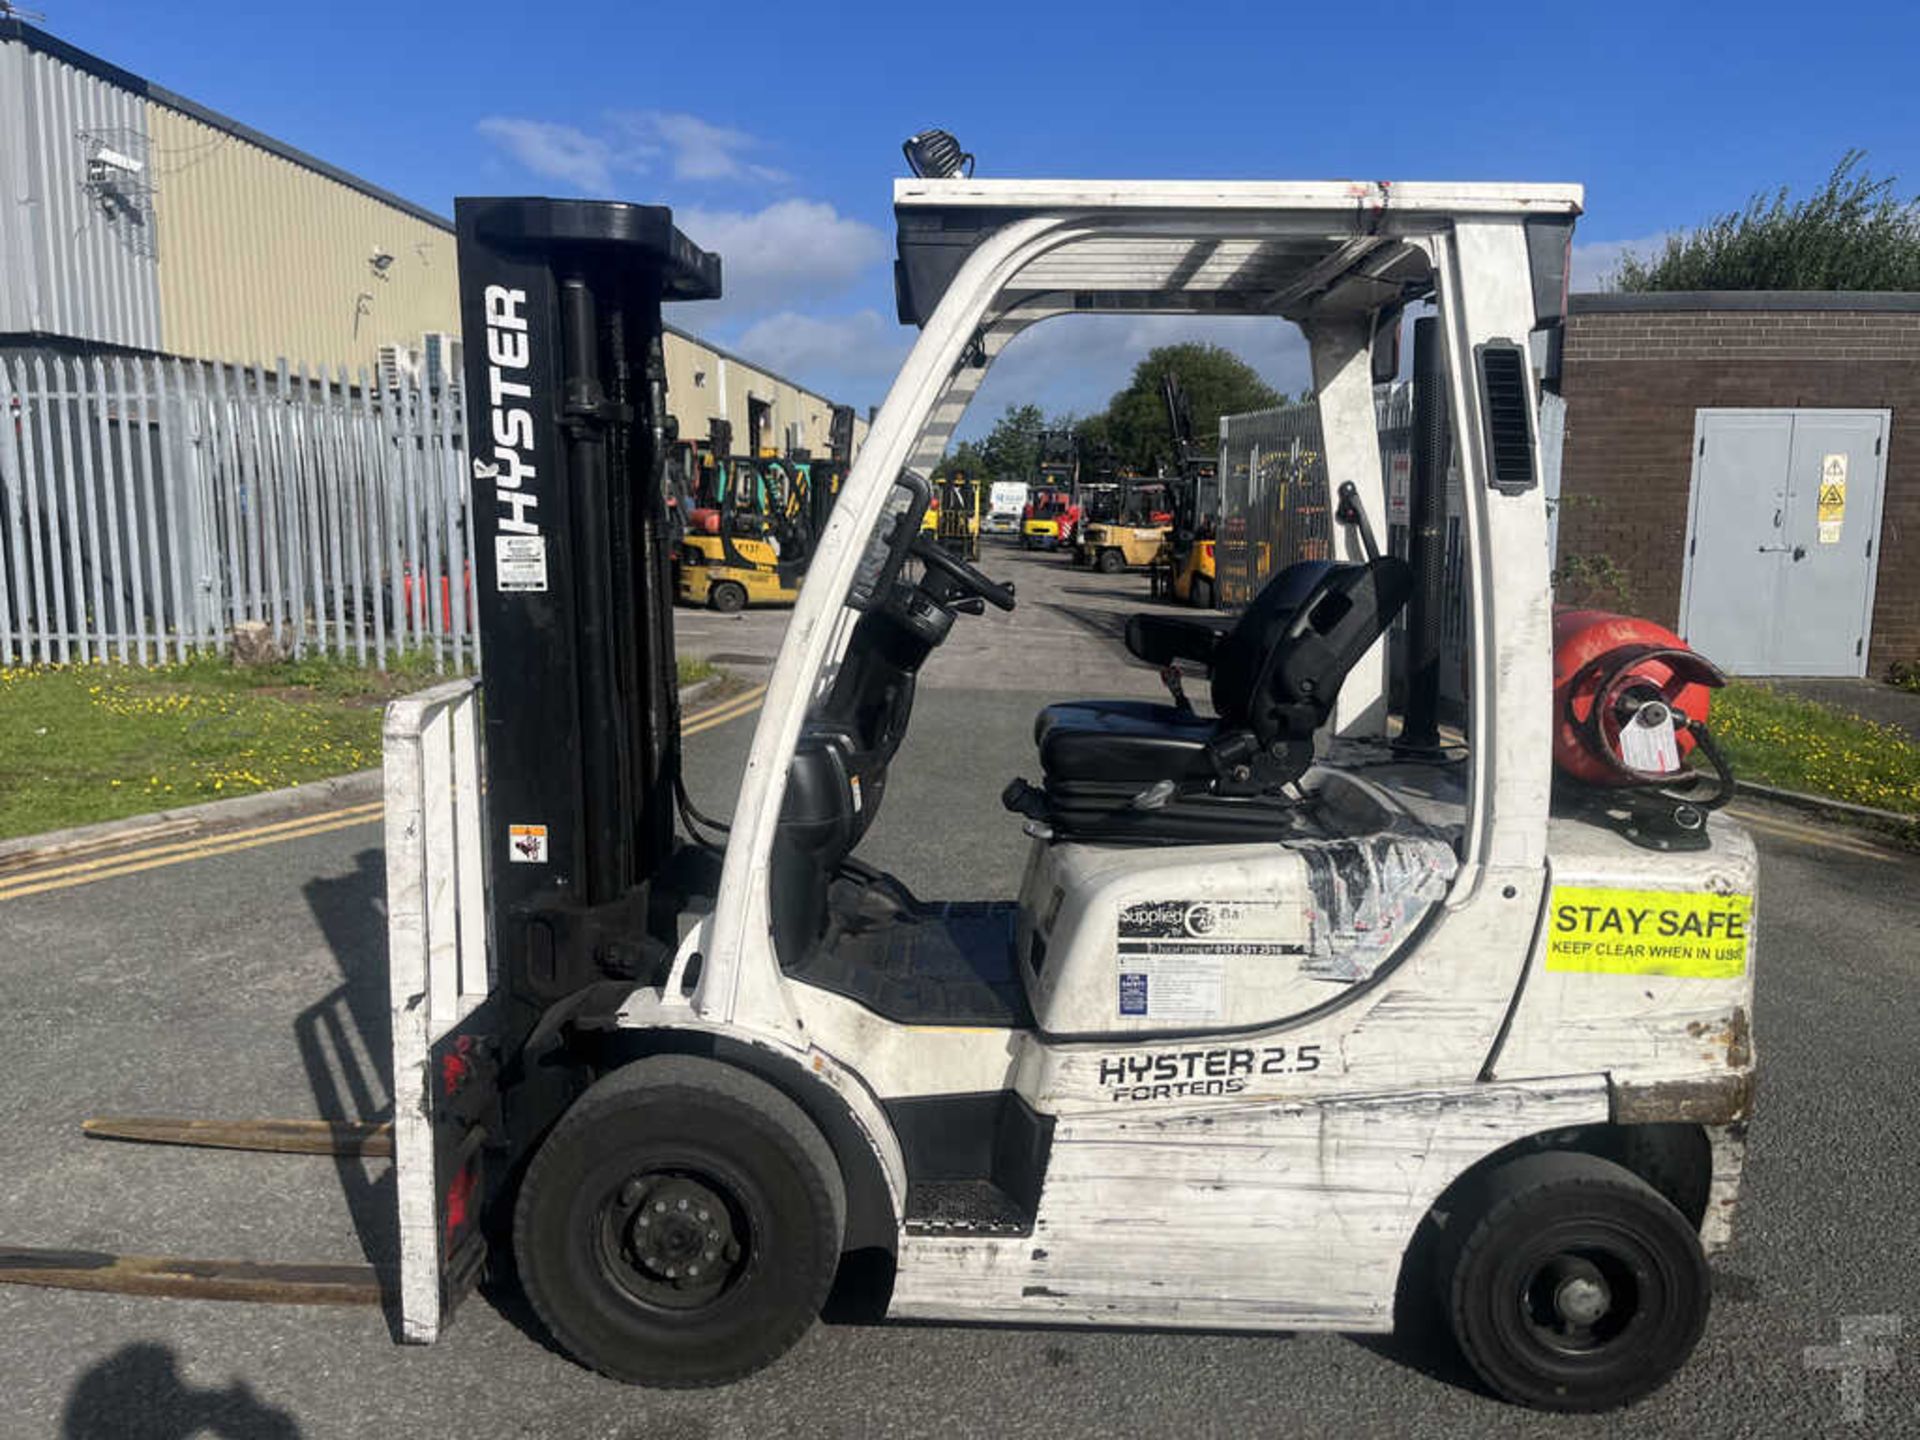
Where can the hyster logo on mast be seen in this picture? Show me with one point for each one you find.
(519, 546)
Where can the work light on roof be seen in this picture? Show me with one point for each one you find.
(936, 155)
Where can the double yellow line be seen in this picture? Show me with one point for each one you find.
(153, 857)
(745, 703)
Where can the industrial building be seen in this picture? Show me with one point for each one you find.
(1744, 467)
(137, 222)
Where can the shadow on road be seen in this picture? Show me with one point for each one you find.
(138, 1393)
(345, 1042)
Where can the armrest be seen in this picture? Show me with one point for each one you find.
(1163, 639)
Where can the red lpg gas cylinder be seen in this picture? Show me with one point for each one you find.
(1613, 674)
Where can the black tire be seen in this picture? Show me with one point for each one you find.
(729, 597)
(1110, 562)
(683, 1137)
(1202, 592)
(1571, 1284)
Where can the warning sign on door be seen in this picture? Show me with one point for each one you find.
(1597, 931)
(1833, 498)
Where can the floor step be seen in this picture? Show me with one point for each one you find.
(965, 1207)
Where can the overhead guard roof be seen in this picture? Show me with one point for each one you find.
(1245, 247)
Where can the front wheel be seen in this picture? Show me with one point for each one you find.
(1202, 592)
(681, 1225)
(1110, 562)
(1574, 1285)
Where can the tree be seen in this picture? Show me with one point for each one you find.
(1854, 233)
(1011, 450)
(1217, 382)
(967, 459)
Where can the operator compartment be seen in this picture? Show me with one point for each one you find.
(1125, 939)
(837, 924)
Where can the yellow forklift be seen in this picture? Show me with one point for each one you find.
(956, 516)
(751, 522)
(1185, 569)
(1132, 535)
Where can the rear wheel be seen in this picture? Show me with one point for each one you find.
(681, 1225)
(729, 597)
(1110, 562)
(1573, 1285)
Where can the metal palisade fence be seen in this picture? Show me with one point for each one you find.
(1276, 507)
(150, 506)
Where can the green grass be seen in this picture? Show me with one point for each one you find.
(1797, 744)
(84, 743)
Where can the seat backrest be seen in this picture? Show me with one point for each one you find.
(1239, 657)
(1348, 608)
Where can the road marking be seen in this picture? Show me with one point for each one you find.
(1812, 835)
(215, 845)
(154, 857)
(743, 704)
(107, 862)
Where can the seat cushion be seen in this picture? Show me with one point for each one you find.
(1123, 741)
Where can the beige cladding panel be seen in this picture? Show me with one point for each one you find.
(262, 258)
(699, 379)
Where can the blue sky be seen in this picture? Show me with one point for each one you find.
(774, 129)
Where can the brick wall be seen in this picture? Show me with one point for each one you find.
(1632, 381)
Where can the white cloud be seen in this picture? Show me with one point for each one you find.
(630, 143)
(849, 357)
(1077, 362)
(1596, 265)
(697, 149)
(555, 152)
(792, 252)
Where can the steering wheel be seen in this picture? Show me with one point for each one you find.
(962, 576)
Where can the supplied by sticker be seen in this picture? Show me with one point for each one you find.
(1173, 954)
(1603, 931)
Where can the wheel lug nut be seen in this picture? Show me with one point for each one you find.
(683, 1205)
(660, 1206)
(703, 1217)
(692, 1270)
(630, 1192)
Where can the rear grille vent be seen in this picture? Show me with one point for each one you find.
(1509, 416)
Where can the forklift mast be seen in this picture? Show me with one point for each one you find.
(1191, 468)
(568, 431)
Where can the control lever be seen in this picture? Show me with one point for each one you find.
(1348, 512)
(1170, 677)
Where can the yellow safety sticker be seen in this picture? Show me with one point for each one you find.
(1596, 931)
(1831, 507)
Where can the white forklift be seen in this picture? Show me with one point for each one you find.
(1294, 1002)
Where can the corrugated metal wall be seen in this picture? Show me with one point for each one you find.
(263, 257)
(74, 261)
(704, 384)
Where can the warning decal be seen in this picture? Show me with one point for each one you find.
(1832, 509)
(520, 563)
(527, 844)
(1701, 936)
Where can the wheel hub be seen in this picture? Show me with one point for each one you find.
(675, 1232)
(1580, 1300)
(1574, 1304)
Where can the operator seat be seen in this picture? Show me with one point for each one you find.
(1134, 770)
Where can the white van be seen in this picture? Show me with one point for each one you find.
(1006, 502)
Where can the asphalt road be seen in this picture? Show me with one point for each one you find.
(251, 984)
